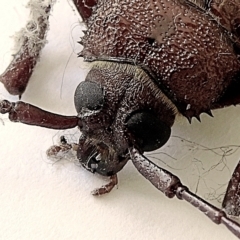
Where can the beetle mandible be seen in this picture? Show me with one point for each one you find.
(152, 60)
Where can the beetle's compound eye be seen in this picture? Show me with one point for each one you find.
(149, 132)
(88, 95)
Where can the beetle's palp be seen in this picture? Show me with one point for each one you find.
(106, 188)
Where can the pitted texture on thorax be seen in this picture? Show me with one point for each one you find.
(185, 49)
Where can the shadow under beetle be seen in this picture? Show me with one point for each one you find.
(153, 59)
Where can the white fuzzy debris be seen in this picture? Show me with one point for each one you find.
(59, 154)
(35, 30)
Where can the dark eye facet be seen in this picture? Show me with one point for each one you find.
(88, 95)
(149, 132)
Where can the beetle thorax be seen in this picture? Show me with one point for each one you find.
(191, 57)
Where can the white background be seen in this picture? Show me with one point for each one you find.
(42, 200)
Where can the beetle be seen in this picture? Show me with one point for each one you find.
(142, 107)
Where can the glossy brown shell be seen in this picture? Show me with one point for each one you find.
(191, 56)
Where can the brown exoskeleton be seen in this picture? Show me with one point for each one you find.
(152, 60)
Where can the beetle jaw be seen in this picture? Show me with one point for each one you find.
(96, 156)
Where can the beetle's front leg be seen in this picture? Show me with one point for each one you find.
(29, 42)
(171, 186)
(31, 115)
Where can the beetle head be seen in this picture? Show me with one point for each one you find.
(119, 106)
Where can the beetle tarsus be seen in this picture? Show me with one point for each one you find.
(106, 188)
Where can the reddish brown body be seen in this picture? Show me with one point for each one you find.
(153, 60)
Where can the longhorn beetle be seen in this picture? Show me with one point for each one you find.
(152, 60)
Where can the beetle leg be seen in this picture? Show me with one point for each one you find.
(171, 186)
(231, 202)
(30, 42)
(106, 188)
(31, 115)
